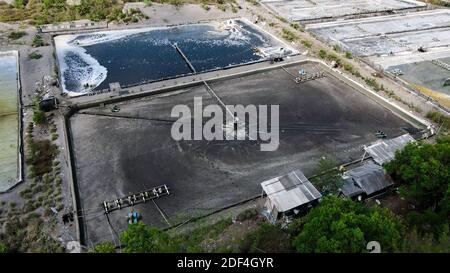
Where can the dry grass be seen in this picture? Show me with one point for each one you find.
(442, 98)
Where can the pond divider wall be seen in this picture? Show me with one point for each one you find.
(80, 228)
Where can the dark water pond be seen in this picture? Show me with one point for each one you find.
(130, 57)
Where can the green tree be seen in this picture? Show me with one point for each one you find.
(415, 243)
(342, 225)
(328, 178)
(423, 171)
(3, 248)
(265, 238)
(106, 247)
(139, 238)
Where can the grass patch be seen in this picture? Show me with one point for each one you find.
(306, 43)
(334, 57)
(206, 7)
(288, 35)
(254, 2)
(192, 241)
(39, 116)
(222, 7)
(296, 26)
(15, 35)
(322, 54)
(247, 214)
(337, 48)
(35, 55)
(26, 234)
(373, 83)
(281, 19)
(441, 119)
(40, 156)
(349, 68)
(38, 41)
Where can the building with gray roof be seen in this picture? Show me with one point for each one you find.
(383, 151)
(288, 193)
(365, 180)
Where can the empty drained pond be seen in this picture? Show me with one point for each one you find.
(132, 150)
(131, 57)
(318, 10)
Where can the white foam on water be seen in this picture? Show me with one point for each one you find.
(106, 36)
(92, 75)
(235, 34)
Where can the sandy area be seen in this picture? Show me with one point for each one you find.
(162, 14)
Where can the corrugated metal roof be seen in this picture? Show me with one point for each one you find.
(290, 191)
(384, 150)
(368, 178)
(350, 188)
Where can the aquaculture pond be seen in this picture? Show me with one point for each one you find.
(135, 56)
(9, 125)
